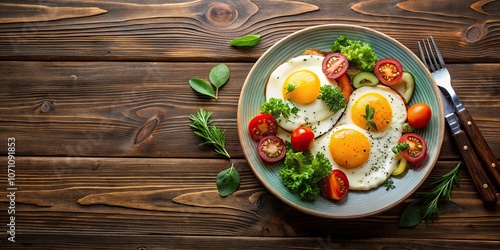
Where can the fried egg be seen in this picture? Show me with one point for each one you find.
(298, 82)
(360, 148)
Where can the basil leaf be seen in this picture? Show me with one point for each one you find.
(245, 41)
(219, 75)
(412, 215)
(228, 181)
(201, 86)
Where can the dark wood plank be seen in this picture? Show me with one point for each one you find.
(42, 242)
(112, 197)
(201, 30)
(99, 108)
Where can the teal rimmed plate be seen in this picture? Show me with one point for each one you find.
(357, 203)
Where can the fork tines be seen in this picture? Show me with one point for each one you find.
(431, 53)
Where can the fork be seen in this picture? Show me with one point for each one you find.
(428, 54)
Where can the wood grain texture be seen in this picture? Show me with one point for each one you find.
(99, 108)
(145, 242)
(201, 30)
(171, 196)
(96, 94)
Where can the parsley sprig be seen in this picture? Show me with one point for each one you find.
(426, 206)
(369, 113)
(333, 97)
(212, 134)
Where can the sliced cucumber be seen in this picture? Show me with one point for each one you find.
(405, 86)
(364, 78)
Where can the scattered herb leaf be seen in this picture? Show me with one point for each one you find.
(201, 86)
(369, 113)
(412, 215)
(426, 206)
(245, 41)
(228, 181)
(218, 76)
(212, 134)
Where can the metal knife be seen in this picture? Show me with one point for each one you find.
(478, 174)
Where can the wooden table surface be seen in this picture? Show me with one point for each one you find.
(96, 95)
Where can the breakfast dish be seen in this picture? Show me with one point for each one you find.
(296, 110)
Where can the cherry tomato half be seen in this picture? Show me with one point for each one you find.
(388, 70)
(262, 125)
(271, 149)
(419, 115)
(335, 65)
(417, 150)
(345, 85)
(335, 186)
(302, 138)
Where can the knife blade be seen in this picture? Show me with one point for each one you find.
(481, 181)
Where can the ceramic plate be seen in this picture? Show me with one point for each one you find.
(357, 203)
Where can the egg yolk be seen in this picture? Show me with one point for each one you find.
(377, 105)
(349, 148)
(301, 87)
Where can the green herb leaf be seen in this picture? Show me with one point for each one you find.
(358, 53)
(302, 172)
(245, 41)
(400, 147)
(201, 86)
(212, 134)
(389, 184)
(369, 113)
(428, 202)
(290, 88)
(333, 97)
(228, 181)
(276, 107)
(412, 215)
(218, 76)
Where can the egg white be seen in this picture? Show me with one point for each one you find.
(382, 161)
(317, 115)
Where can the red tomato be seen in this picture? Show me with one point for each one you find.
(417, 150)
(262, 125)
(388, 71)
(345, 85)
(335, 65)
(271, 149)
(419, 115)
(335, 186)
(302, 138)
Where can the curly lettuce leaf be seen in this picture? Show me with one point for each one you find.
(301, 173)
(358, 53)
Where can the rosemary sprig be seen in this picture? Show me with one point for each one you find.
(212, 134)
(426, 206)
(369, 113)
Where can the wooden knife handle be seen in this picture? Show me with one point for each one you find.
(478, 174)
(483, 150)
